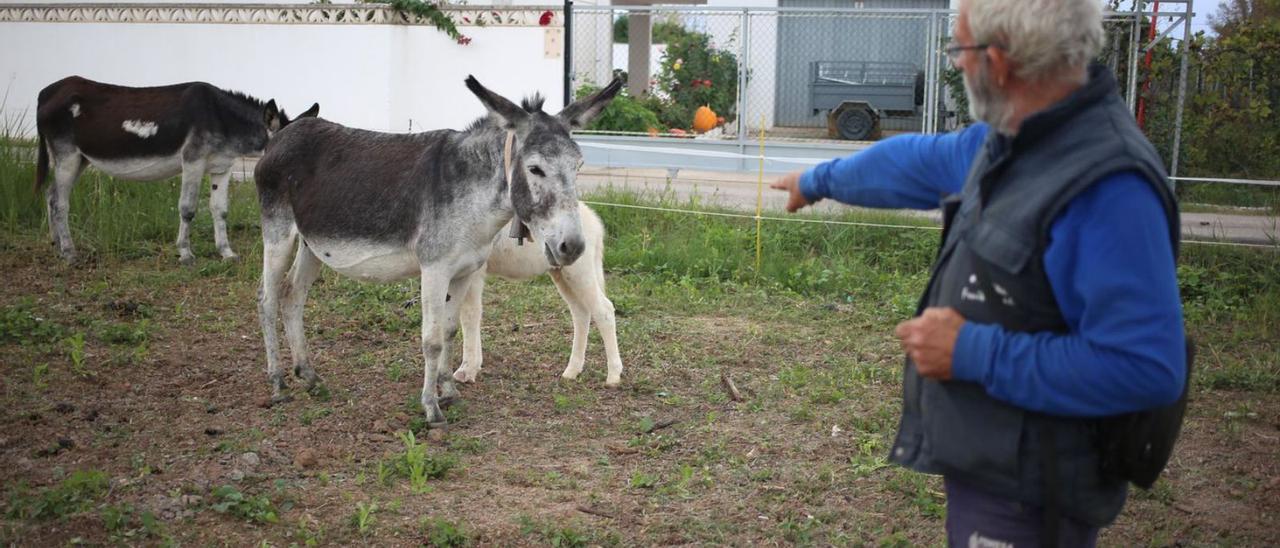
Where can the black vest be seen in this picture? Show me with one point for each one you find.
(990, 268)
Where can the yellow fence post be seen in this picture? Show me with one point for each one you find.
(760, 197)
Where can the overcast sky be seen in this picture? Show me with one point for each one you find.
(1203, 9)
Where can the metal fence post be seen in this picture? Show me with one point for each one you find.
(744, 65)
(568, 52)
(1182, 89)
(928, 124)
(1133, 63)
(744, 51)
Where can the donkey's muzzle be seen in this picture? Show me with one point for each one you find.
(566, 252)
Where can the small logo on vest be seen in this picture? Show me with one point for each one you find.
(970, 292)
(978, 541)
(1005, 299)
(974, 294)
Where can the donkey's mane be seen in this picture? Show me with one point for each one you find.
(251, 101)
(529, 104)
(533, 104)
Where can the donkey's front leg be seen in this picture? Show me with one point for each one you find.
(220, 185)
(453, 303)
(434, 318)
(470, 313)
(189, 198)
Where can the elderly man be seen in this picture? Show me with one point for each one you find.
(1053, 301)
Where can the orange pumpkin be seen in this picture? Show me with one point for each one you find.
(704, 119)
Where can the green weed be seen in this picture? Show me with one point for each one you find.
(442, 533)
(229, 500)
(363, 518)
(415, 464)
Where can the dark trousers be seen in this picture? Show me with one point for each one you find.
(976, 519)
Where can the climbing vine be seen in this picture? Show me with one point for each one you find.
(431, 12)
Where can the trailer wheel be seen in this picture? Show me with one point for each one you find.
(856, 122)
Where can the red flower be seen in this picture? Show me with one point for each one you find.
(546, 18)
(463, 40)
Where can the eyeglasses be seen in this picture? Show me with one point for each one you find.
(953, 50)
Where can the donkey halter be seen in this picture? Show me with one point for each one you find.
(519, 230)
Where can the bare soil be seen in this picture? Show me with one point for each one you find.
(667, 459)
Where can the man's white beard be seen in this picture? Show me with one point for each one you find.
(986, 103)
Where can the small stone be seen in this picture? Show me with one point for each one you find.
(212, 431)
(66, 443)
(380, 426)
(305, 458)
(63, 407)
(436, 434)
(235, 475)
(192, 500)
(250, 459)
(265, 402)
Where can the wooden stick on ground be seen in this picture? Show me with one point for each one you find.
(595, 512)
(730, 388)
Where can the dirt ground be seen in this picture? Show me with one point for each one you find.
(165, 396)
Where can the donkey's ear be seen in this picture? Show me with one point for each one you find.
(271, 115)
(509, 113)
(311, 112)
(579, 113)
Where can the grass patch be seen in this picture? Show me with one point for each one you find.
(1231, 195)
(19, 324)
(77, 493)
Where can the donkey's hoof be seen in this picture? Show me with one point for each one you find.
(318, 390)
(230, 258)
(275, 399)
(307, 374)
(612, 383)
(441, 425)
(187, 260)
(448, 401)
(465, 375)
(570, 374)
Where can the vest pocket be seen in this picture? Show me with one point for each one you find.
(972, 435)
(998, 246)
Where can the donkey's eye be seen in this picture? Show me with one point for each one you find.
(537, 171)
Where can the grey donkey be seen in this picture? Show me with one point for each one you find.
(384, 207)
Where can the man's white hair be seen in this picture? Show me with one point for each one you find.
(1048, 40)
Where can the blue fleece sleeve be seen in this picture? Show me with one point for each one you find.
(905, 171)
(1112, 269)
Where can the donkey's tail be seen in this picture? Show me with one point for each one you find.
(42, 162)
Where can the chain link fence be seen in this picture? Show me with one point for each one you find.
(796, 73)
(817, 81)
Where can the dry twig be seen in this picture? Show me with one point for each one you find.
(730, 388)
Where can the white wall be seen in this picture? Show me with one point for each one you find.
(371, 76)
